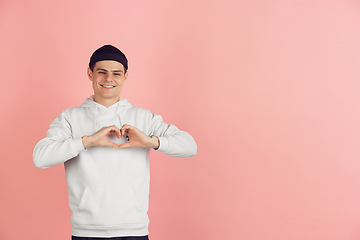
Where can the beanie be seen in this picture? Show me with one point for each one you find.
(108, 52)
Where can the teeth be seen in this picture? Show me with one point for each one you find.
(107, 86)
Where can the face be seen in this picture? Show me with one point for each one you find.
(107, 79)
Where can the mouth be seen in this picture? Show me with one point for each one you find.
(107, 86)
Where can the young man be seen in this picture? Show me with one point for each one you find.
(104, 145)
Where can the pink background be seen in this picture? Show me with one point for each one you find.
(268, 89)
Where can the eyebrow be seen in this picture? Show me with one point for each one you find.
(101, 69)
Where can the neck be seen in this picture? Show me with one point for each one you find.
(107, 102)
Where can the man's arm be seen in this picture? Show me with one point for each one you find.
(59, 146)
(173, 141)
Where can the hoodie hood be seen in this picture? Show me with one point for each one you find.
(101, 109)
(92, 104)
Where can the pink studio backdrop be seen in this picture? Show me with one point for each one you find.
(269, 90)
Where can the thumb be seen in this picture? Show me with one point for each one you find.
(124, 145)
(111, 144)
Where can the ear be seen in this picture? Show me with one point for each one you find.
(89, 73)
(126, 75)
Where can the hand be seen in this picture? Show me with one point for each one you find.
(137, 139)
(100, 138)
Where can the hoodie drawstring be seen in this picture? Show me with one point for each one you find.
(96, 118)
(119, 114)
(90, 103)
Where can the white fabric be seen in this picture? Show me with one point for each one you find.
(108, 187)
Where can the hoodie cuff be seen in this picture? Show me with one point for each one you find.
(77, 146)
(164, 144)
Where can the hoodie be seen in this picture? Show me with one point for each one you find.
(108, 188)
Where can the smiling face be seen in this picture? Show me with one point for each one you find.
(107, 79)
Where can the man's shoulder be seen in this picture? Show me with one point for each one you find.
(139, 109)
(73, 110)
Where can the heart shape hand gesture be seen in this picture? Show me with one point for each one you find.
(137, 139)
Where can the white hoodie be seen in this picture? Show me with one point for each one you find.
(108, 187)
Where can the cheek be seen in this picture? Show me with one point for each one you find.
(95, 82)
(98, 79)
(119, 82)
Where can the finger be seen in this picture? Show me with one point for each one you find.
(109, 129)
(124, 131)
(126, 127)
(121, 132)
(124, 145)
(113, 130)
(117, 132)
(111, 144)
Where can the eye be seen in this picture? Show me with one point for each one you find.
(117, 74)
(101, 72)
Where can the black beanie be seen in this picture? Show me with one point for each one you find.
(108, 52)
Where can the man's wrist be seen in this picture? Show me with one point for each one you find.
(86, 141)
(155, 142)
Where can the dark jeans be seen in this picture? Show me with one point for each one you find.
(120, 238)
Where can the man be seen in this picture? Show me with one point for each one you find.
(104, 145)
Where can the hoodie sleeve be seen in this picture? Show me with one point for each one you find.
(173, 141)
(58, 146)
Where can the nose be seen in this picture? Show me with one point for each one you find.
(108, 78)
